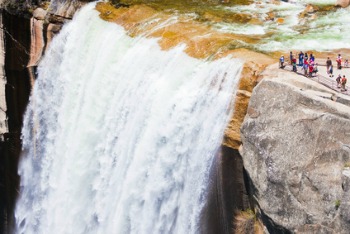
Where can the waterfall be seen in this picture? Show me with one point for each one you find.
(119, 136)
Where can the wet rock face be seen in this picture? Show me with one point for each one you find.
(296, 145)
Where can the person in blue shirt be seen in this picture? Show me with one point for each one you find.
(282, 61)
(301, 58)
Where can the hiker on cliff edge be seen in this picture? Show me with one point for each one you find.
(282, 61)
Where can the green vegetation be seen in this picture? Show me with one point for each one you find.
(337, 204)
(247, 222)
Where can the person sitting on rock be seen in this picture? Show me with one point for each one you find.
(343, 83)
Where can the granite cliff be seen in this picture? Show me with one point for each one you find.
(296, 153)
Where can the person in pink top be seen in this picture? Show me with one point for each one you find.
(339, 58)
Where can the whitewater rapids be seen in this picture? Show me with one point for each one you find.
(119, 136)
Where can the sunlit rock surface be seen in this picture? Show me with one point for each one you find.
(296, 144)
(343, 3)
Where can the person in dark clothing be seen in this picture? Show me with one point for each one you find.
(338, 81)
(343, 83)
(294, 63)
(282, 61)
(312, 58)
(329, 64)
(301, 58)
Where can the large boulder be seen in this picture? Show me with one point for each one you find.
(343, 3)
(296, 149)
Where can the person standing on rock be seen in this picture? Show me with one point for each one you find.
(306, 56)
(343, 83)
(311, 70)
(329, 64)
(338, 81)
(312, 58)
(282, 61)
(294, 63)
(339, 58)
(301, 58)
(290, 57)
(306, 66)
(331, 71)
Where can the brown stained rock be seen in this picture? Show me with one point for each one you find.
(294, 151)
(37, 41)
(310, 9)
(39, 13)
(201, 41)
(343, 3)
(280, 21)
(270, 16)
(255, 64)
(64, 9)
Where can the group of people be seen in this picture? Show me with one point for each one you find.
(341, 80)
(339, 64)
(307, 62)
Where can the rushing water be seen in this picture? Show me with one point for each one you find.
(119, 135)
(319, 30)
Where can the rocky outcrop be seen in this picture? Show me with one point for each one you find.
(296, 146)
(254, 64)
(343, 3)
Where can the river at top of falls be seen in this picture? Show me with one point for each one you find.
(280, 26)
(119, 136)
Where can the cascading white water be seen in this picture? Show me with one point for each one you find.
(119, 135)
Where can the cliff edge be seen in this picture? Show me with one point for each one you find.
(296, 150)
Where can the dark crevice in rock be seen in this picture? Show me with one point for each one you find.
(227, 193)
(17, 45)
(270, 225)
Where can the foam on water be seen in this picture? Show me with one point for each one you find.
(119, 135)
